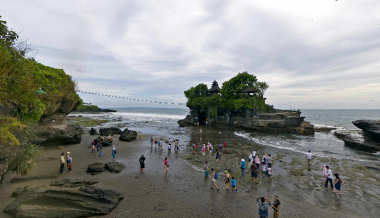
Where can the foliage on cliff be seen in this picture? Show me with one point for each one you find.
(241, 92)
(29, 91)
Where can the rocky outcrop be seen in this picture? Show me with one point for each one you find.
(371, 128)
(64, 201)
(276, 122)
(356, 140)
(57, 134)
(96, 168)
(128, 135)
(72, 183)
(109, 131)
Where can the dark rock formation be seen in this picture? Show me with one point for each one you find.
(96, 168)
(57, 134)
(72, 183)
(276, 122)
(68, 202)
(93, 131)
(356, 140)
(109, 131)
(370, 127)
(128, 135)
(323, 128)
(114, 167)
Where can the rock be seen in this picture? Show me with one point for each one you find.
(57, 134)
(54, 202)
(128, 135)
(71, 183)
(356, 140)
(305, 128)
(114, 167)
(96, 168)
(186, 122)
(324, 128)
(370, 127)
(109, 131)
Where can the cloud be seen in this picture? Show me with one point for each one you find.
(313, 54)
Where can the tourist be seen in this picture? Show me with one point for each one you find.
(254, 154)
(338, 183)
(100, 150)
(176, 148)
(264, 160)
(324, 171)
(208, 147)
(204, 150)
(142, 163)
(151, 141)
(113, 152)
(217, 155)
(225, 144)
(206, 169)
(211, 148)
(221, 147)
(227, 178)
(254, 173)
(250, 160)
(269, 172)
(93, 149)
(166, 166)
(169, 147)
(214, 177)
(69, 161)
(276, 207)
(264, 168)
(257, 161)
(233, 184)
(329, 178)
(263, 207)
(309, 157)
(62, 162)
(269, 161)
(242, 166)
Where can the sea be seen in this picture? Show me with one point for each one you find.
(163, 121)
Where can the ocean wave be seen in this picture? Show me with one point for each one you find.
(152, 116)
(318, 154)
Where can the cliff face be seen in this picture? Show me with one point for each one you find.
(275, 122)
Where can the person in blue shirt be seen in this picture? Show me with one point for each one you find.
(263, 207)
(233, 184)
(242, 166)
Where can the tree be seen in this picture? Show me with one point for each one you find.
(232, 88)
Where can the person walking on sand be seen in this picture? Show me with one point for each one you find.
(114, 152)
(100, 151)
(276, 207)
(166, 166)
(338, 183)
(142, 163)
(242, 166)
(206, 169)
(329, 178)
(254, 154)
(233, 184)
(67, 159)
(227, 178)
(257, 161)
(263, 207)
(254, 173)
(217, 156)
(204, 150)
(214, 177)
(62, 163)
(250, 160)
(69, 162)
(269, 161)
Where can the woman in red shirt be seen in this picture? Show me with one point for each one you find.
(166, 166)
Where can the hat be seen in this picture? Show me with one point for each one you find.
(242, 159)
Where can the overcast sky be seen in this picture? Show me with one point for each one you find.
(312, 53)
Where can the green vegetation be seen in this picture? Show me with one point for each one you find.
(238, 94)
(29, 91)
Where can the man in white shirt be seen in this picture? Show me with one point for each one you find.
(329, 178)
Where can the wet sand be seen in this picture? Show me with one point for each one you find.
(186, 193)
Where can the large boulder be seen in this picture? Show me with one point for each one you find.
(188, 121)
(356, 140)
(60, 134)
(370, 127)
(109, 131)
(68, 202)
(128, 135)
(114, 167)
(96, 168)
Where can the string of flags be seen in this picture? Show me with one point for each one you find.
(133, 99)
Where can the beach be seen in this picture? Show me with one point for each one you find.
(186, 192)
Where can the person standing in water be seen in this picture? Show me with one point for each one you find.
(214, 177)
(217, 156)
(62, 163)
(254, 173)
(69, 161)
(269, 161)
(227, 179)
(257, 161)
(142, 163)
(206, 169)
(233, 184)
(276, 207)
(114, 152)
(166, 166)
(263, 207)
(309, 157)
(329, 178)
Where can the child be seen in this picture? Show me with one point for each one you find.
(233, 184)
(113, 152)
(338, 183)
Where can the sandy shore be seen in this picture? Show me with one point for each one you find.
(185, 192)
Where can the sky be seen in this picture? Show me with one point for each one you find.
(319, 54)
